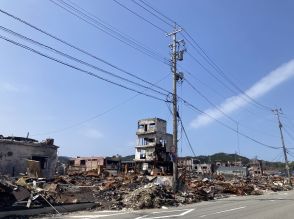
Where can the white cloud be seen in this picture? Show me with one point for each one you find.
(92, 133)
(5, 86)
(260, 88)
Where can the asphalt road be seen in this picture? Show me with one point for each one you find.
(278, 205)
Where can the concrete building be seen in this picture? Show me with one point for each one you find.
(203, 169)
(185, 163)
(85, 164)
(232, 170)
(153, 146)
(229, 163)
(20, 155)
(255, 167)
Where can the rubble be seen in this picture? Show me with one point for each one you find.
(149, 196)
(127, 191)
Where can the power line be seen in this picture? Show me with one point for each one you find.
(244, 96)
(96, 24)
(288, 120)
(169, 24)
(220, 71)
(288, 133)
(210, 102)
(75, 59)
(278, 157)
(158, 12)
(291, 154)
(205, 56)
(78, 69)
(187, 138)
(184, 130)
(96, 116)
(112, 28)
(78, 49)
(215, 91)
(227, 126)
(225, 114)
(135, 13)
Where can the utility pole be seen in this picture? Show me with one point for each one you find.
(176, 55)
(277, 112)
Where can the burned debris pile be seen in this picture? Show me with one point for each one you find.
(126, 192)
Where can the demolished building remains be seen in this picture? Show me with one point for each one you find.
(232, 170)
(84, 164)
(20, 155)
(255, 167)
(153, 146)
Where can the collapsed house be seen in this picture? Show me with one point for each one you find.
(113, 165)
(203, 169)
(255, 167)
(192, 164)
(228, 163)
(153, 146)
(85, 164)
(232, 170)
(185, 163)
(20, 155)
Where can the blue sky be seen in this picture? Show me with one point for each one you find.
(249, 40)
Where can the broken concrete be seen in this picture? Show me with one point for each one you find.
(127, 191)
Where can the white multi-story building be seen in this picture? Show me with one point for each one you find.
(153, 146)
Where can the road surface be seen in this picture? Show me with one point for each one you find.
(269, 206)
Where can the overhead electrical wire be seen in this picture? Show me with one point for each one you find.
(184, 130)
(288, 133)
(205, 56)
(291, 154)
(209, 101)
(222, 74)
(96, 24)
(77, 60)
(138, 15)
(151, 12)
(125, 87)
(186, 135)
(215, 91)
(79, 49)
(78, 68)
(158, 12)
(96, 116)
(131, 89)
(242, 134)
(89, 16)
(227, 126)
(108, 26)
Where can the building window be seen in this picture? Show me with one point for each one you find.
(152, 126)
(82, 162)
(10, 153)
(143, 154)
(162, 142)
(42, 160)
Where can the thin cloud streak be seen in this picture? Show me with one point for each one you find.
(8, 87)
(260, 88)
